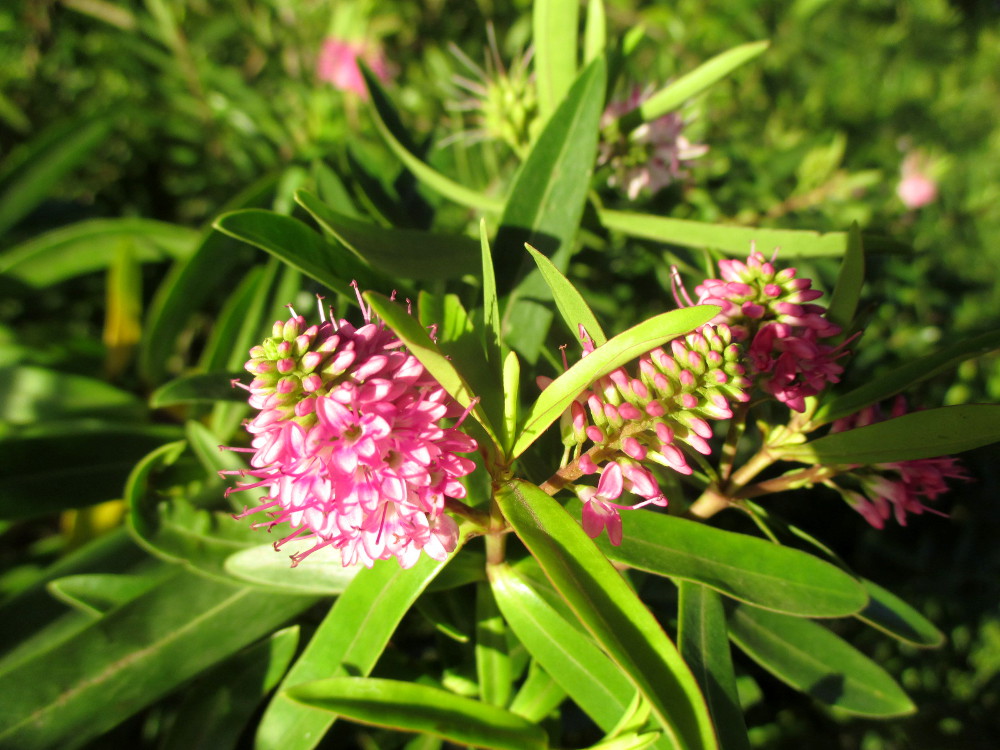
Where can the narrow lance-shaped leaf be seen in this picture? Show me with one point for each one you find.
(424, 349)
(812, 659)
(419, 708)
(736, 240)
(690, 84)
(850, 280)
(743, 567)
(493, 668)
(538, 696)
(595, 35)
(888, 385)
(491, 305)
(611, 611)
(201, 387)
(703, 642)
(384, 115)
(893, 616)
(623, 348)
(570, 303)
(922, 434)
(512, 396)
(349, 641)
(554, 33)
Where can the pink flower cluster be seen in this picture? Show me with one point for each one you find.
(916, 187)
(653, 416)
(898, 487)
(650, 157)
(349, 445)
(337, 64)
(773, 314)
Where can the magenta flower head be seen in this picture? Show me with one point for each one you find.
(337, 64)
(349, 443)
(773, 314)
(655, 415)
(896, 488)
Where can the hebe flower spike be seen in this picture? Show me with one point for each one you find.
(348, 442)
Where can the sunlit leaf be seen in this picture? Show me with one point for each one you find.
(554, 35)
(892, 615)
(570, 303)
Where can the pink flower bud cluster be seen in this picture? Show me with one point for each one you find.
(650, 157)
(773, 314)
(653, 416)
(894, 488)
(349, 445)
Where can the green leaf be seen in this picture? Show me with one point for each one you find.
(491, 322)
(411, 253)
(571, 304)
(702, 640)
(571, 658)
(97, 593)
(389, 127)
(889, 384)
(94, 459)
(291, 241)
(623, 348)
(29, 395)
(424, 349)
(511, 402)
(49, 158)
(218, 706)
(545, 205)
(923, 434)
(736, 240)
(348, 641)
(492, 660)
(810, 658)
(132, 657)
(538, 696)
(611, 611)
(893, 616)
(199, 387)
(850, 280)
(418, 708)
(318, 574)
(742, 567)
(595, 35)
(690, 84)
(554, 37)
(88, 246)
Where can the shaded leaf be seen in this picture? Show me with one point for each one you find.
(199, 387)
(554, 37)
(892, 615)
(850, 280)
(493, 668)
(30, 394)
(318, 574)
(97, 593)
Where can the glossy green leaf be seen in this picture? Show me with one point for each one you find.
(923, 434)
(611, 611)
(202, 387)
(850, 280)
(97, 593)
(94, 459)
(491, 305)
(493, 668)
(424, 349)
(736, 240)
(322, 574)
(570, 303)
(131, 658)
(893, 616)
(412, 707)
(30, 394)
(177, 530)
(554, 37)
(703, 642)
(595, 35)
(53, 154)
(88, 246)
(216, 709)
(570, 657)
(291, 241)
(620, 350)
(388, 125)
(349, 641)
(705, 75)
(742, 567)
(812, 659)
(206, 445)
(544, 208)
(512, 396)
(902, 378)
(409, 253)
(538, 696)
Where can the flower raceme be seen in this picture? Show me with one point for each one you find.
(654, 415)
(349, 445)
(895, 488)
